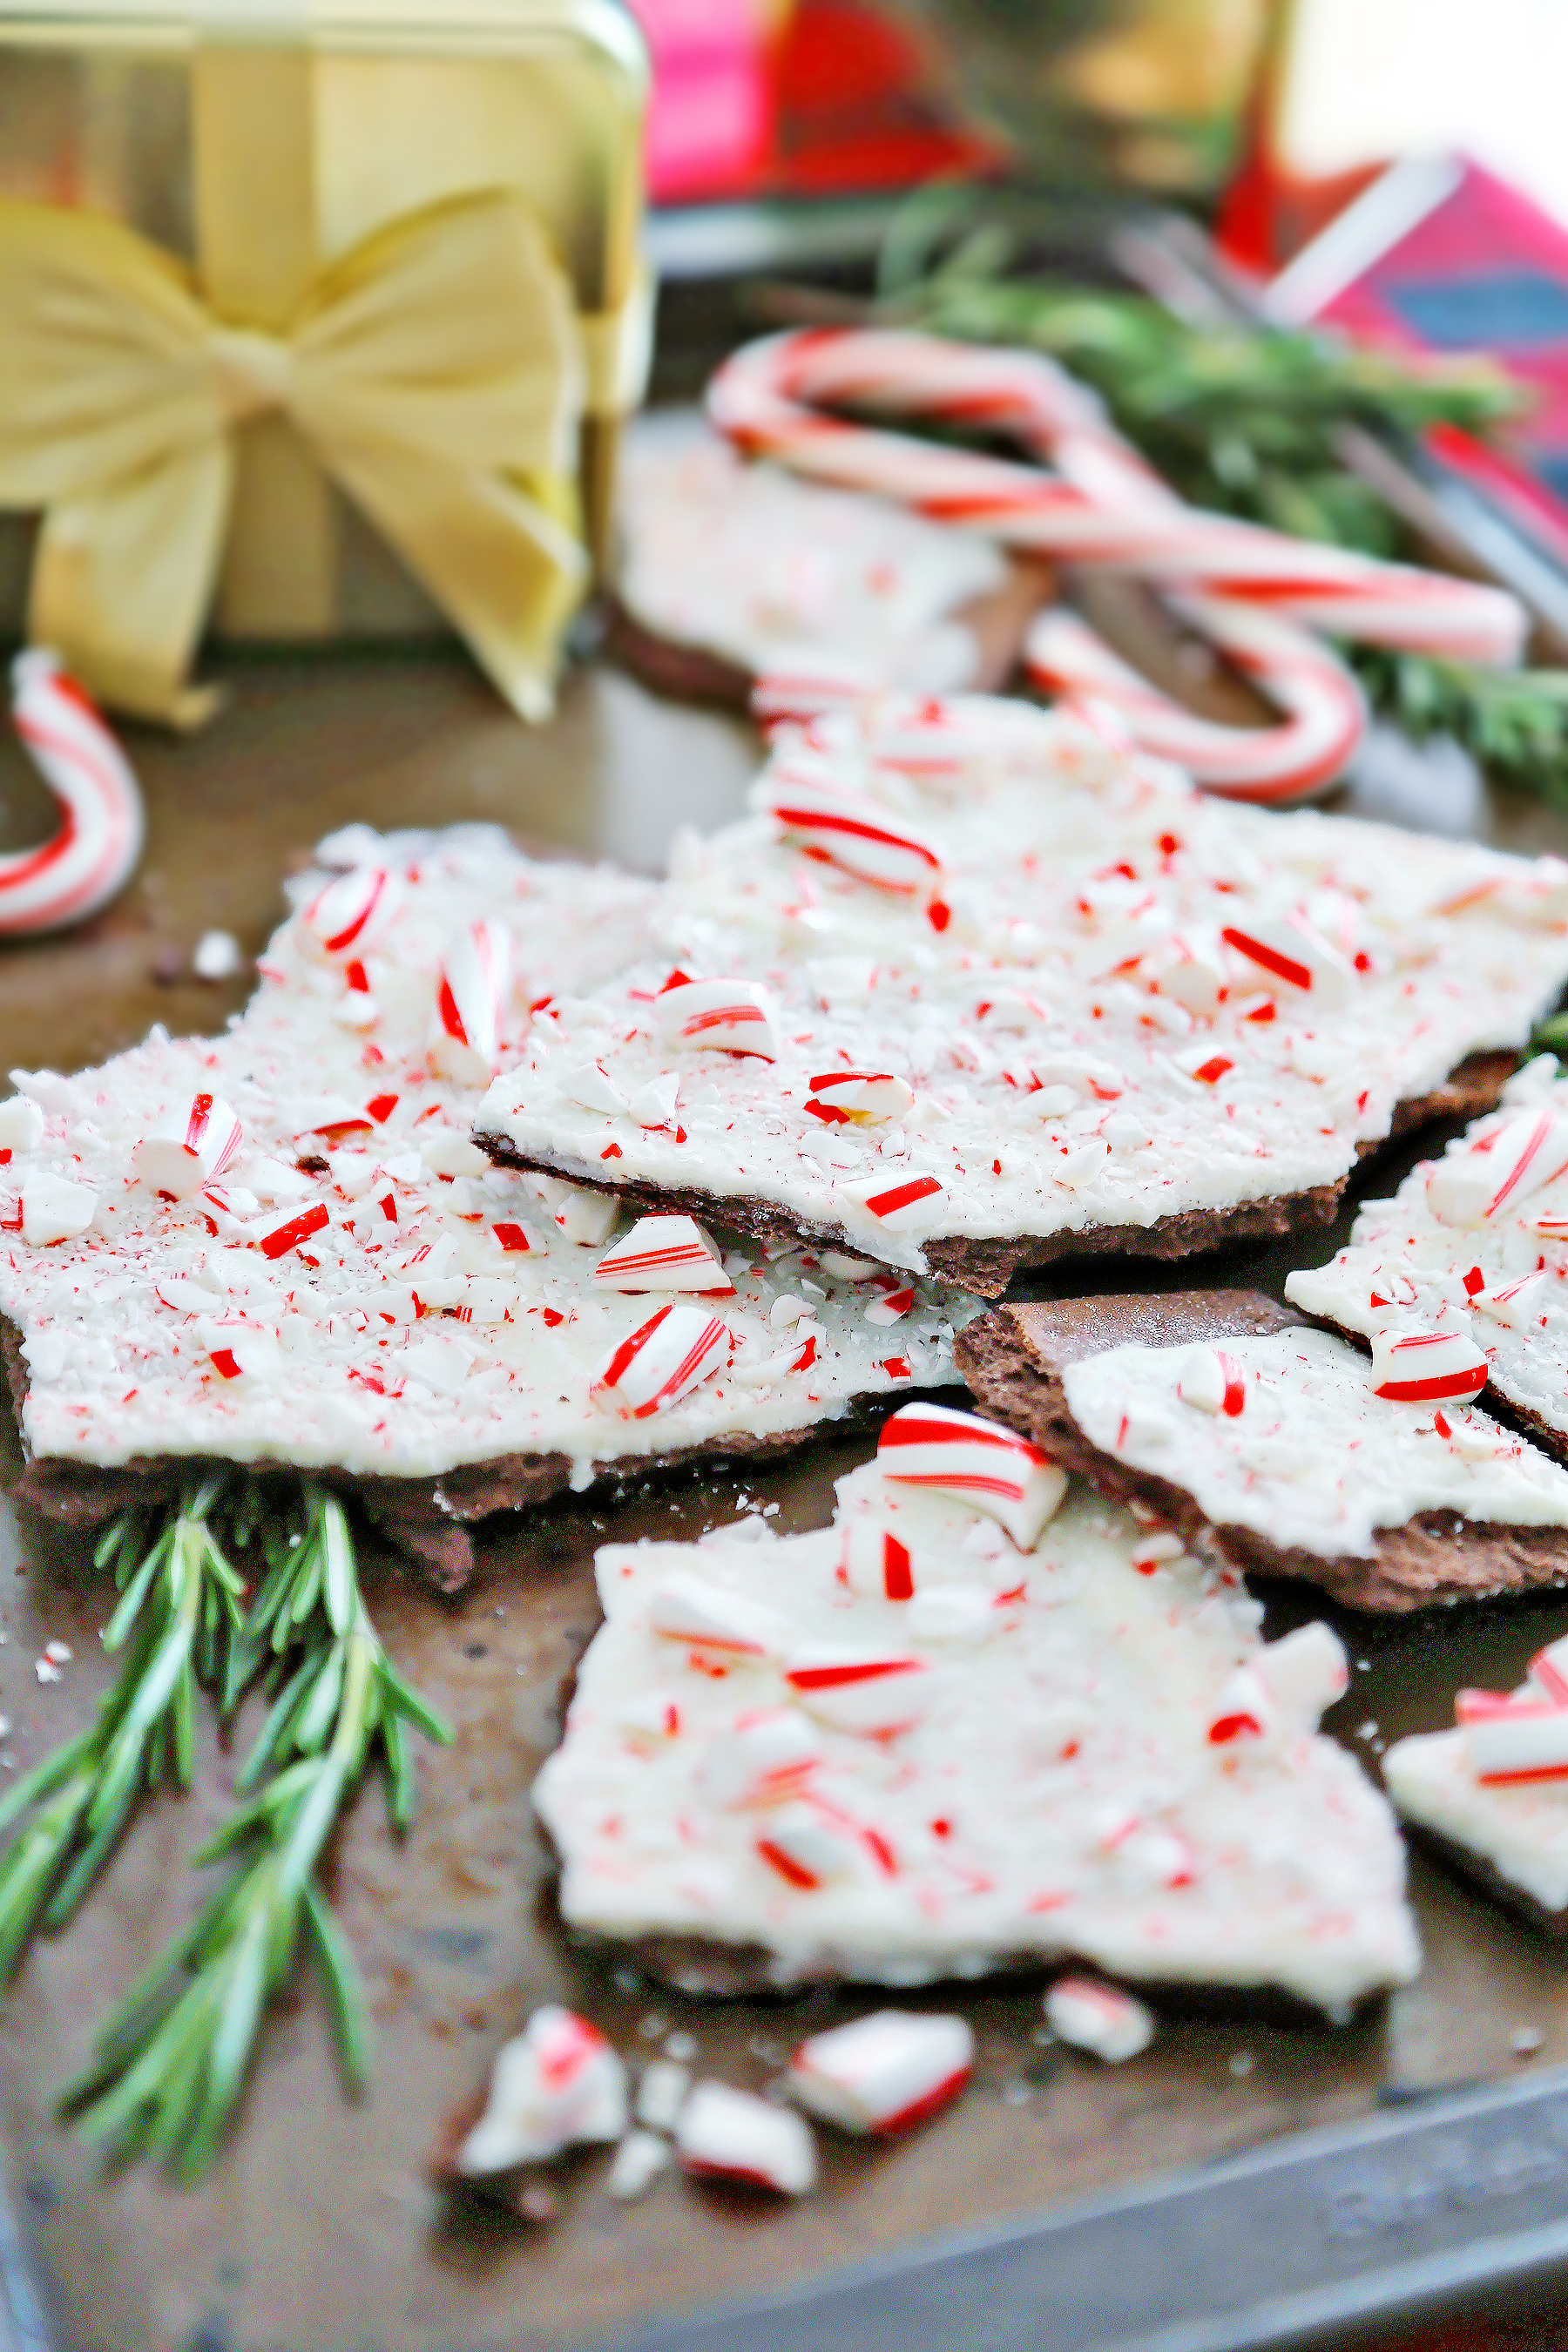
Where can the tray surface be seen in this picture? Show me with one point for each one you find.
(316, 2229)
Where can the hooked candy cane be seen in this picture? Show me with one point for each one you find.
(92, 855)
(1427, 1367)
(984, 1465)
(883, 2073)
(1103, 506)
(1325, 715)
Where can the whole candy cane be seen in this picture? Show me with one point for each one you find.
(1104, 505)
(1324, 720)
(92, 855)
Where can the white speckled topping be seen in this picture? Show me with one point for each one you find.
(1407, 1267)
(773, 573)
(1523, 1830)
(1052, 985)
(431, 1311)
(1314, 1456)
(1084, 1748)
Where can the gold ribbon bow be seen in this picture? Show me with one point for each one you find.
(435, 373)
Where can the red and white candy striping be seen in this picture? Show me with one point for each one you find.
(1494, 1175)
(978, 1462)
(668, 1354)
(93, 852)
(1099, 2018)
(1427, 1367)
(723, 1016)
(885, 2073)
(1103, 506)
(191, 1149)
(899, 1748)
(665, 1254)
(860, 835)
(556, 2085)
(347, 914)
(728, 2136)
(472, 999)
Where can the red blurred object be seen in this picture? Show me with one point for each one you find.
(832, 98)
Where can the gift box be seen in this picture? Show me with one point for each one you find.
(320, 320)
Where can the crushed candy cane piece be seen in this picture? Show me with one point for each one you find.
(1513, 1735)
(557, 2083)
(904, 1205)
(728, 2135)
(763, 1760)
(190, 1149)
(978, 1462)
(471, 1001)
(590, 1085)
(1479, 1182)
(653, 1105)
(55, 1208)
(1099, 2018)
(218, 956)
(860, 835)
(1516, 1304)
(867, 1096)
(637, 2162)
(1212, 1381)
(21, 1125)
(664, 1253)
(884, 2072)
(661, 2094)
(1305, 1672)
(1426, 1366)
(724, 1016)
(288, 1228)
(875, 1564)
(1294, 952)
(343, 918)
(580, 1215)
(669, 1354)
(687, 1608)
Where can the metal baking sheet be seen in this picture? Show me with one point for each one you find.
(1247, 2181)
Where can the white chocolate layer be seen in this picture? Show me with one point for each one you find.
(403, 1345)
(1033, 1772)
(1315, 1458)
(777, 574)
(1405, 1268)
(1522, 1831)
(1084, 1048)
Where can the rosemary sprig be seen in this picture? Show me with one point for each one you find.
(1514, 722)
(171, 2058)
(180, 1605)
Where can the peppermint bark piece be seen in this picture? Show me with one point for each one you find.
(972, 990)
(281, 1247)
(1474, 1243)
(773, 1771)
(1492, 1794)
(733, 572)
(1279, 1448)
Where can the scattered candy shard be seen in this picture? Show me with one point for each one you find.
(729, 2136)
(1053, 1793)
(1059, 1092)
(558, 2083)
(1494, 1791)
(979, 1461)
(639, 2160)
(664, 1253)
(884, 2072)
(1099, 2018)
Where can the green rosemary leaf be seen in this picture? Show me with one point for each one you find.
(289, 1699)
(407, 1702)
(345, 1993)
(47, 1776)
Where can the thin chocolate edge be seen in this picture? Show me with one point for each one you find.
(985, 1266)
(1003, 1361)
(429, 1519)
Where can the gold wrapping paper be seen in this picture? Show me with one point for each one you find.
(408, 272)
